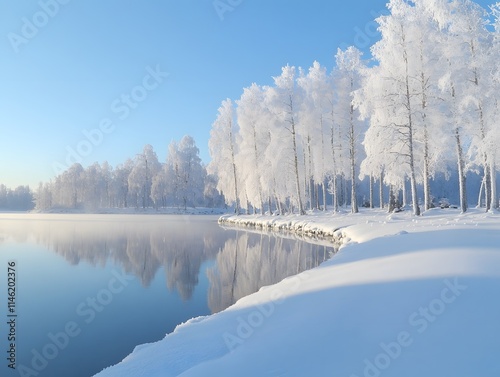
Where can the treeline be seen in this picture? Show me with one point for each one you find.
(142, 182)
(425, 105)
(19, 199)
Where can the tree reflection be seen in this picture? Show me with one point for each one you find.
(143, 245)
(250, 261)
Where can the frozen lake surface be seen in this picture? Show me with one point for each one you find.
(92, 287)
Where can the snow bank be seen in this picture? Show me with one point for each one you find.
(406, 297)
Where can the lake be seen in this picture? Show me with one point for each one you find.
(89, 288)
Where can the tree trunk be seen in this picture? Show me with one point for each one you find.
(235, 177)
(403, 188)
(381, 191)
(410, 127)
(494, 198)
(307, 186)
(480, 196)
(352, 155)
(427, 187)
(487, 185)
(324, 197)
(280, 206)
(461, 172)
(423, 81)
(371, 191)
(392, 199)
(335, 197)
(316, 195)
(256, 157)
(416, 208)
(413, 180)
(296, 160)
(311, 179)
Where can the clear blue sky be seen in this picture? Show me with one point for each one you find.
(75, 63)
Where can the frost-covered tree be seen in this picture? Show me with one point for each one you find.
(398, 91)
(347, 79)
(429, 66)
(313, 114)
(283, 100)
(188, 173)
(96, 186)
(19, 199)
(69, 187)
(493, 136)
(469, 24)
(43, 196)
(252, 141)
(159, 189)
(140, 180)
(213, 199)
(464, 48)
(222, 150)
(119, 185)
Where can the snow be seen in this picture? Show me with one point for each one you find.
(405, 296)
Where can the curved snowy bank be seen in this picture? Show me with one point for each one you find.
(307, 226)
(413, 297)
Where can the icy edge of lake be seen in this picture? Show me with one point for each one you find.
(373, 307)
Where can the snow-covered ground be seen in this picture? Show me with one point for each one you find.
(406, 296)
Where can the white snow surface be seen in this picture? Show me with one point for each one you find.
(405, 297)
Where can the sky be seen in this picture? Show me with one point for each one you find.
(86, 81)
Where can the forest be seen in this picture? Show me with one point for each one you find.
(420, 113)
(423, 107)
(142, 182)
(18, 199)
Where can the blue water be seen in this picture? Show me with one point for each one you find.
(90, 288)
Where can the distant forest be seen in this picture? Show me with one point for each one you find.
(142, 182)
(19, 199)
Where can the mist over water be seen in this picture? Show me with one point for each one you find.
(124, 280)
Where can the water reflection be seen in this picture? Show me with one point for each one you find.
(143, 245)
(250, 261)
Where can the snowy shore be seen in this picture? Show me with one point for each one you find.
(405, 296)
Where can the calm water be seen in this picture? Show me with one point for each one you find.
(89, 288)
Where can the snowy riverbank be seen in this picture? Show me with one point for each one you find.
(406, 296)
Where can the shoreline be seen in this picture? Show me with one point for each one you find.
(379, 253)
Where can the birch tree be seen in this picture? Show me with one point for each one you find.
(348, 80)
(284, 98)
(252, 141)
(222, 150)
